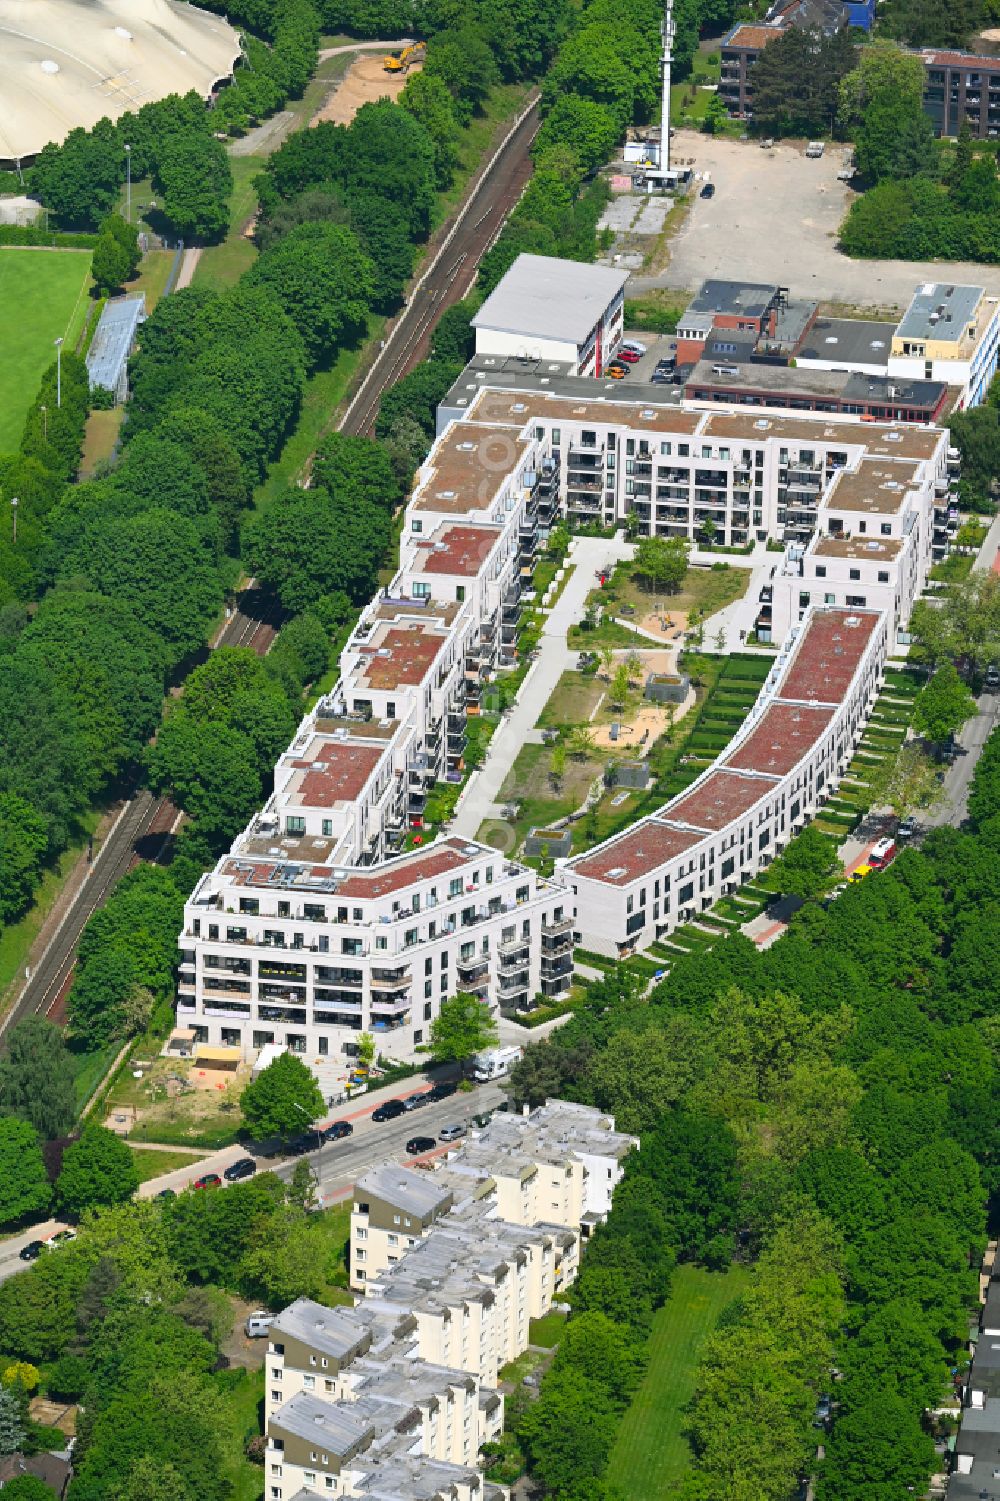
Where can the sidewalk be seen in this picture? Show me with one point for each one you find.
(479, 799)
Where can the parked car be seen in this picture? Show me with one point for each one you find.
(61, 1238)
(337, 1130)
(661, 378)
(389, 1111)
(708, 191)
(442, 1091)
(617, 372)
(907, 829)
(258, 1324)
(635, 344)
(306, 1141)
(419, 1144)
(208, 1180)
(32, 1250)
(862, 871)
(244, 1167)
(417, 1101)
(666, 362)
(993, 677)
(454, 1132)
(630, 356)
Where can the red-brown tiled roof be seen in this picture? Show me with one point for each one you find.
(460, 550)
(338, 774)
(780, 740)
(722, 797)
(643, 849)
(398, 874)
(827, 656)
(403, 656)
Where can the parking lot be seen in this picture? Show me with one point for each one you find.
(775, 218)
(658, 347)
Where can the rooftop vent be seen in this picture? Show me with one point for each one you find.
(618, 870)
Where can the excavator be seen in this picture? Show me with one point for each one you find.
(399, 62)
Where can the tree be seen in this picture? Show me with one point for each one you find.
(894, 1350)
(795, 80)
(883, 98)
(37, 1078)
(302, 1187)
(195, 180)
(282, 1101)
(620, 684)
(428, 100)
(523, 34)
(463, 1026)
(12, 1432)
(24, 843)
(97, 1169)
(305, 544)
(905, 782)
(640, 1075)
(21, 1376)
(28, 1488)
(109, 266)
(211, 771)
(324, 282)
(579, 743)
(152, 1480)
(943, 706)
(24, 1183)
(877, 1451)
(662, 562)
(366, 1049)
(68, 1377)
(807, 866)
(347, 466)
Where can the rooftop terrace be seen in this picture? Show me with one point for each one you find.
(874, 486)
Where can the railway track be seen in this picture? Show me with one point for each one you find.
(451, 271)
(141, 831)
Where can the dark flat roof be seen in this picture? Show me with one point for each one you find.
(750, 298)
(848, 341)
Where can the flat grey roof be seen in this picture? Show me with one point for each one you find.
(542, 297)
(332, 1331)
(495, 372)
(113, 338)
(848, 341)
(752, 298)
(807, 380)
(337, 1426)
(403, 1188)
(939, 311)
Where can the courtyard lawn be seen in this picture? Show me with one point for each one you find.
(651, 1455)
(43, 297)
(152, 1164)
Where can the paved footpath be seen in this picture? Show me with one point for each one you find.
(555, 656)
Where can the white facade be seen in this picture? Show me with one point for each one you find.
(952, 334)
(785, 761)
(546, 310)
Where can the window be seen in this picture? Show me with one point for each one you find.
(460, 594)
(886, 528)
(821, 570)
(854, 574)
(295, 825)
(421, 590)
(883, 575)
(417, 526)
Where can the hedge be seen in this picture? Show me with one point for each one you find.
(30, 234)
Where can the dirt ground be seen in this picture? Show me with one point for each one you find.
(364, 81)
(642, 722)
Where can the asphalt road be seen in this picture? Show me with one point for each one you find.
(451, 271)
(958, 775)
(140, 830)
(338, 1164)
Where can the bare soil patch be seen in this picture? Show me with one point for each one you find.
(364, 81)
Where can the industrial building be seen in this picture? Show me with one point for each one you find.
(549, 309)
(64, 65)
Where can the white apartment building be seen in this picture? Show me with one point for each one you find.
(394, 1398)
(312, 930)
(949, 333)
(548, 309)
(784, 762)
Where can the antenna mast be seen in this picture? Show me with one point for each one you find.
(665, 62)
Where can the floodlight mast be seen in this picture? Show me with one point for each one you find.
(667, 32)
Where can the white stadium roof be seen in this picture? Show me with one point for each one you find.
(65, 63)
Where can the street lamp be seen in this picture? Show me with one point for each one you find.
(58, 344)
(128, 184)
(13, 512)
(319, 1133)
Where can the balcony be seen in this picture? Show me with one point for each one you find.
(509, 984)
(390, 979)
(516, 952)
(475, 968)
(556, 965)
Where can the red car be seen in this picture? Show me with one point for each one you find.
(628, 355)
(208, 1180)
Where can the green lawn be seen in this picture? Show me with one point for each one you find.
(43, 296)
(154, 1164)
(651, 1455)
(221, 266)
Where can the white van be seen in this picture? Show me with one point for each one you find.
(259, 1323)
(496, 1064)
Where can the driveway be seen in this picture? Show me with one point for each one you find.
(775, 218)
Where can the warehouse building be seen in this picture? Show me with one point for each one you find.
(549, 309)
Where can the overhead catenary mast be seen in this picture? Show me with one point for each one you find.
(665, 62)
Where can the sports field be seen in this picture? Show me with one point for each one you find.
(43, 294)
(651, 1454)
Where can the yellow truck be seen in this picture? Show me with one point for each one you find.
(399, 62)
